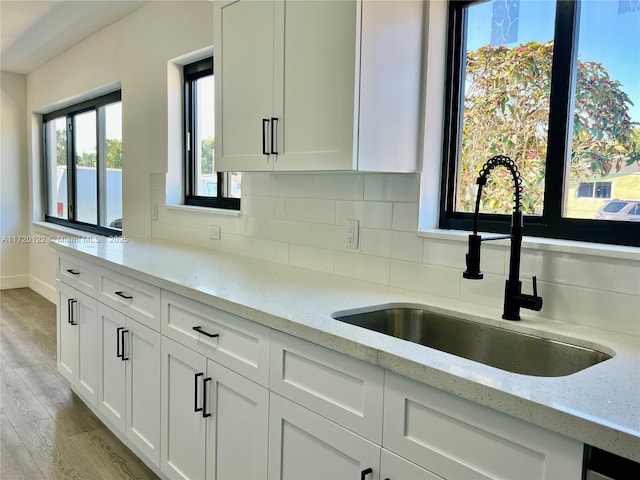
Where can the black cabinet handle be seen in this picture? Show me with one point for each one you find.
(73, 272)
(200, 330)
(274, 135)
(70, 315)
(124, 358)
(265, 125)
(195, 392)
(204, 398)
(119, 354)
(123, 295)
(365, 472)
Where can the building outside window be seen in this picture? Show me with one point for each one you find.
(594, 190)
(203, 185)
(555, 85)
(83, 165)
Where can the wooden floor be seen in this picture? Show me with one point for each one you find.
(46, 431)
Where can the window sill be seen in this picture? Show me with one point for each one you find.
(196, 209)
(545, 244)
(48, 227)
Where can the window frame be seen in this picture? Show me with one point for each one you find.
(191, 73)
(551, 224)
(69, 113)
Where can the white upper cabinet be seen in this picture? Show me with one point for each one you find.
(317, 85)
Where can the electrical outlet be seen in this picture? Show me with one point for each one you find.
(214, 232)
(154, 211)
(352, 233)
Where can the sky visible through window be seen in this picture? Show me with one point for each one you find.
(619, 54)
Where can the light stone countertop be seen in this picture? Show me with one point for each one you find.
(599, 406)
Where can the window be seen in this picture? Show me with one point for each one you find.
(594, 190)
(203, 185)
(83, 165)
(555, 86)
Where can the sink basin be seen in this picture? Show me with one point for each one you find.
(498, 347)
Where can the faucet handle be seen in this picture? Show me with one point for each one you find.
(535, 286)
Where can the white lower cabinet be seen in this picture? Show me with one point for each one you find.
(303, 445)
(129, 379)
(456, 438)
(394, 467)
(77, 331)
(214, 421)
(202, 394)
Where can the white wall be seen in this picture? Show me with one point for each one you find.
(14, 228)
(133, 54)
(298, 219)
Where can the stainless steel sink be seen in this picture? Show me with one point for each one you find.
(501, 348)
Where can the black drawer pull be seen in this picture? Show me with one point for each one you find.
(73, 272)
(210, 335)
(119, 353)
(124, 358)
(195, 392)
(123, 295)
(365, 472)
(70, 315)
(204, 398)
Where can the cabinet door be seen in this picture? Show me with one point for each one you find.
(111, 383)
(183, 426)
(67, 348)
(237, 431)
(243, 61)
(393, 467)
(316, 61)
(87, 325)
(142, 354)
(304, 445)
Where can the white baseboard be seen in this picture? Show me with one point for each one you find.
(14, 281)
(41, 288)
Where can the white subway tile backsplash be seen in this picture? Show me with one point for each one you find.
(392, 187)
(313, 258)
(489, 291)
(289, 231)
(628, 277)
(601, 309)
(362, 267)
(582, 270)
(405, 216)
(299, 219)
(375, 242)
(292, 185)
(432, 279)
(257, 227)
(328, 236)
(406, 246)
(261, 185)
(270, 250)
(370, 214)
(232, 243)
(338, 187)
(312, 210)
(452, 254)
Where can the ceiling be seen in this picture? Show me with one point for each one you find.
(33, 32)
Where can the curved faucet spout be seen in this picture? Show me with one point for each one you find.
(514, 299)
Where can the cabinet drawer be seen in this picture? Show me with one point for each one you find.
(456, 438)
(345, 390)
(80, 275)
(134, 298)
(232, 341)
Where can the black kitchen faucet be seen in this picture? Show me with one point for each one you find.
(514, 299)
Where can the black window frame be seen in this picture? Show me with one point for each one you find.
(551, 224)
(191, 73)
(69, 113)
